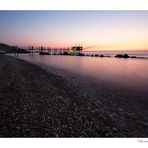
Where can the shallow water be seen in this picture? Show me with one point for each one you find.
(127, 73)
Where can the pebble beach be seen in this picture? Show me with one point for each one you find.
(38, 103)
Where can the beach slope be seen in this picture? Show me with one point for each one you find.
(37, 103)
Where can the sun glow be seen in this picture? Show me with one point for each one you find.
(98, 30)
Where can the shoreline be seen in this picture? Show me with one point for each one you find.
(37, 103)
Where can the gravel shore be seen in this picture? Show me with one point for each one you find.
(37, 103)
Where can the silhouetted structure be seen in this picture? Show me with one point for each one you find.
(77, 49)
(16, 50)
(42, 51)
(32, 50)
(29, 50)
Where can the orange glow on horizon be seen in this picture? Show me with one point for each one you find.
(98, 30)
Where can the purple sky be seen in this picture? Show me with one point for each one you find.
(102, 30)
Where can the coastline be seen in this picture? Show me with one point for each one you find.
(37, 103)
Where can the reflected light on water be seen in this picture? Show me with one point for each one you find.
(131, 73)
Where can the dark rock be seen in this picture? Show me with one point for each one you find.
(96, 55)
(122, 56)
(101, 55)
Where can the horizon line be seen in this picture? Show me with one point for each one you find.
(103, 50)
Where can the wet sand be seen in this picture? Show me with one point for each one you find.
(37, 103)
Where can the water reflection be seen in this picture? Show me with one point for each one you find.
(132, 73)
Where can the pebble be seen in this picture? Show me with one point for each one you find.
(18, 127)
(115, 129)
(120, 109)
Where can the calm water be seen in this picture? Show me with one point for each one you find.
(113, 53)
(126, 73)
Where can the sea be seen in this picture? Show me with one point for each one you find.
(113, 53)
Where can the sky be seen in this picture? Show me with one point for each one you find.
(95, 30)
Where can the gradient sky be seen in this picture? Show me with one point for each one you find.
(101, 30)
